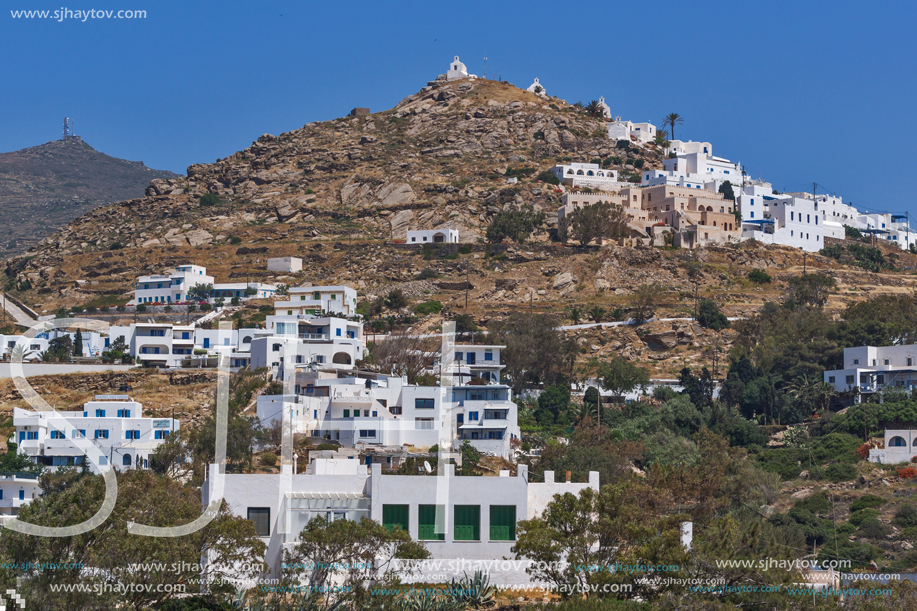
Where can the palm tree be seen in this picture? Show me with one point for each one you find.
(673, 119)
(597, 313)
(19, 353)
(593, 108)
(575, 315)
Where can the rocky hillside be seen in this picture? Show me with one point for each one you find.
(44, 187)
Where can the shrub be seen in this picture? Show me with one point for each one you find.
(396, 300)
(549, 178)
(465, 249)
(210, 199)
(235, 240)
(269, 459)
(906, 473)
(638, 163)
(427, 273)
(759, 276)
(539, 135)
(863, 451)
(428, 307)
(905, 516)
(116, 246)
(817, 503)
(710, 317)
(841, 472)
(858, 517)
(866, 501)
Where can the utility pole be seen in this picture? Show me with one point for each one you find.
(466, 285)
(805, 256)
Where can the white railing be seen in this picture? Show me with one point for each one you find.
(316, 336)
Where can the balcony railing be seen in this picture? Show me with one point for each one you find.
(315, 336)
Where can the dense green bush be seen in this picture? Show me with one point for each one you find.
(841, 472)
(816, 503)
(866, 501)
(858, 517)
(549, 178)
(428, 307)
(759, 276)
(906, 516)
(210, 199)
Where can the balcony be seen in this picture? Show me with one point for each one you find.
(317, 337)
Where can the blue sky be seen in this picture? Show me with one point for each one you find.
(798, 92)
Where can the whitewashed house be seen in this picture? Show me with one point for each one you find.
(900, 446)
(869, 369)
(433, 236)
(284, 264)
(318, 301)
(626, 130)
(169, 345)
(170, 288)
(113, 423)
(93, 343)
(786, 220)
(590, 175)
(537, 88)
(16, 491)
(325, 342)
(453, 516)
(680, 147)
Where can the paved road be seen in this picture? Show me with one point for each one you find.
(52, 369)
(17, 313)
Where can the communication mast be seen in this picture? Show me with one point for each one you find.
(68, 131)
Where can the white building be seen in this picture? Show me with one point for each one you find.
(16, 491)
(168, 345)
(626, 130)
(679, 147)
(890, 228)
(453, 516)
(364, 407)
(284, 264)
(93, 343)
(783, 219)
(113, 423)
(318, 300)
(869, 369)
(457, 70)
(170, 288)
(175, 287)
(606, 111)
(537, 88)
(900, 446)
(433, 236)
(325, 342)
(588, 175)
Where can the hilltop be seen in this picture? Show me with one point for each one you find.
(337, 193)
(44, 187)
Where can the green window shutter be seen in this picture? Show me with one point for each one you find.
(502, 522)
(426, 524)
(467, 523)
(347, 413)
(395, 515)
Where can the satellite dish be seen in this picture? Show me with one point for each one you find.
(427, 467)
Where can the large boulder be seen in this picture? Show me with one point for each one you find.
(563, 280)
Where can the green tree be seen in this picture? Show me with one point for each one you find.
(516, 223)
(598, 221)
(346, 550)
(210, 199)
(396, 299)
(283, 290)
(536, 352)
(594, 109)
(111, 555)
(810, 290)
(597, 313)
(575, 315)
(552, 402)
(643, 302)
(710, 317)
(726, 190)
(200, 292)
(671, 120)
(620, 376)
(78, 343)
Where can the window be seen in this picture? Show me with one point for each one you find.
(426, 522)
(395, 516)
(101, 434)
(161, 434)
(897, 442)
(472, 416)
(423, 424)
(132, 434)
(368, 433)
(347, 413)
(467, 526)
(124, 413)
(856, 361)
(423, 403)
(57, 435)
(830, 379)
(261, 516)
(22, 495)
(910, 361)
(100, 413)
(488, 355)
(375, 413)
(103, 460)
(126, 461)
(157, 332)
(458, 356)
(886, 361)
(792, 217)
(502, 522)
(849, 380)
(79, 434)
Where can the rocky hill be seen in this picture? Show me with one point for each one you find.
(44, 187)
(337, 193)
